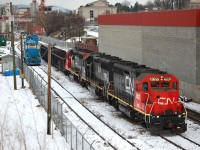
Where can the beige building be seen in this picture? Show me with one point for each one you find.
(194, 4)
(92, 10)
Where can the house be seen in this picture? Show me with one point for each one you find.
(92, 10)
(7, 63)
(35, 29)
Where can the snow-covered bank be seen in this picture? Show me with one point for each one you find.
(23, 122)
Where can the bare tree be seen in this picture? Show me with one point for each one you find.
(126, 3)
(149, 5)
(180, 4)
(68, 23)
(172, 4)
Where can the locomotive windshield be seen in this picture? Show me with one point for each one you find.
(164, 84)
(160, 84)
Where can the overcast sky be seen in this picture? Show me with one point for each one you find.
(70, 4)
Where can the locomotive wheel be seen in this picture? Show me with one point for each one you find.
(86, 85)
(66, 73)
(82, 83)
(105, 98)
(97, 91)
(115, 104)
(75, 78)
(110, 100)
(132, 114)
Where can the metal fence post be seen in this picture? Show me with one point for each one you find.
(82, 140)
(76, 138)
(71, 134)
(92, 144)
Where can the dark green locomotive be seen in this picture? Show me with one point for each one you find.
(2, 41)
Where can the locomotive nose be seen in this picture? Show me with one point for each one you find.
(164, 96)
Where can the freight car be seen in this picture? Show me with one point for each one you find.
(147, 95)
(31, 52)
(57, 56)
(3, 41)
(88, 43)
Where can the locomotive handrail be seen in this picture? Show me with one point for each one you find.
(151, 110)
(146, 105)
(185, 109)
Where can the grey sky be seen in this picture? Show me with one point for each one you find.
(70, 4)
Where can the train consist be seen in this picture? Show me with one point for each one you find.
(2, 41)
(31, 52)
(144, 94)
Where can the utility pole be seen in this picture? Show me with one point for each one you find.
(13, 46)
(65, 33)
(79, 34)
(22, 68)
(49, 91)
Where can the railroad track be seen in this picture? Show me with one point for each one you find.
(190, 116)
(66, 103)
(182, 142)
(194, 116)
(71, 108)
(91, 112)
(163, 137)
(171, 142)
(189, 140)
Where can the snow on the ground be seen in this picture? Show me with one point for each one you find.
(23, 122)
(133, 132)
(193, 106)
(94, 122)
(92, 31)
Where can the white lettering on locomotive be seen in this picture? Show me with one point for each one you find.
(137, 96)
(165, 100)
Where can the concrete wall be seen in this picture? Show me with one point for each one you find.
(171, 49)
(122, 41)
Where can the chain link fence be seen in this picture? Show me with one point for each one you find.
(59, 43)
(75, 138)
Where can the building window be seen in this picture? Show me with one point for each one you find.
(91, 14)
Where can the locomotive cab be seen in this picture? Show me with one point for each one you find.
(31, 53)
(156, 96)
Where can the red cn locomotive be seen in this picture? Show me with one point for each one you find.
(147, 95)
(156, 97)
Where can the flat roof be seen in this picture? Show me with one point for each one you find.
(177, 18)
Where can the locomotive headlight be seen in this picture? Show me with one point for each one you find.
(179, 116)
(154, 79)
(167, 79)
(158, 116)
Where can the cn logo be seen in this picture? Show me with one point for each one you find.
(165, 101)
